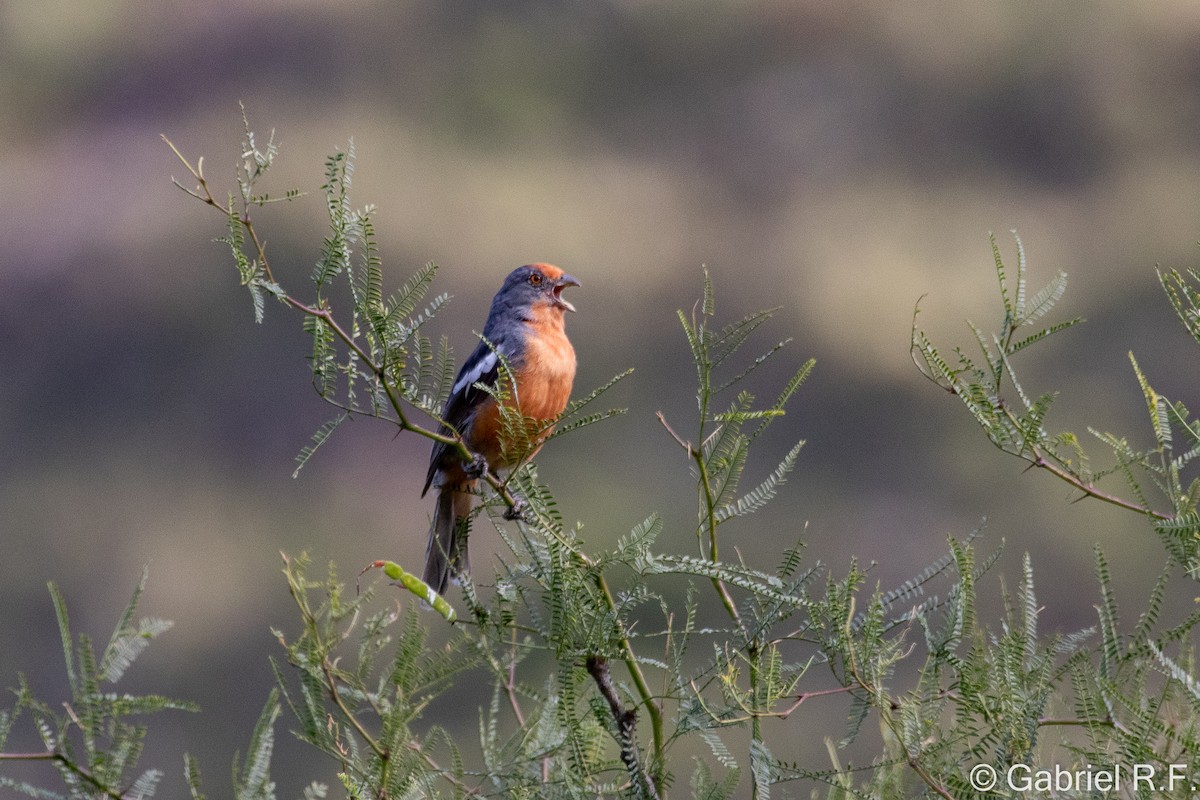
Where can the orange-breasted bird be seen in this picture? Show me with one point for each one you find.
(526, 327)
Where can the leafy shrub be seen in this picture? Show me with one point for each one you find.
(604, 664)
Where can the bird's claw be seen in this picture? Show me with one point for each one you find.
(517, 510)
(477, 467)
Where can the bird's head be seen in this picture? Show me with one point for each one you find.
(538, 285)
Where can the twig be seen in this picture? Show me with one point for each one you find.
(54, 755)
(682, 443)
(429, 760)
(800, 698)
(1107, 722)
(710, 510)
(1090, 490)
(510, 684)
(930, 781)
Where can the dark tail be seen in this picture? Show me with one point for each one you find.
(446, 554)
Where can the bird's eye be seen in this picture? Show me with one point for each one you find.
(535, 279)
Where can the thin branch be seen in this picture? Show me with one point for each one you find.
(710, 509)
(800, 698)
(887, 719)
(682, 443)
(930, 781)
(429, 760)
(54, 755)
(1090, 490)
(510, 683)
(331, 683)
(1107, 722)
(697, 455)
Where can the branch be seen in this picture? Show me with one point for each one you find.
(697, 455)
(930, 781)
(635, 669)
(1089, 489)
(678, 439)
(54, 755)
(626, 720)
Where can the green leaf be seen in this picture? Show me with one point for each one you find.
(1181, 675)
(128, 645)
(638, 542)
(762, 767)
(30, 790)
(1009, 309)
(120, 652)
(1184, 298)
(1019, 307)
(1045, 299)
(794, 383)
(1030, 611)
(64, 631)
(1156, 404)
(319, 438)
(764, 492)
(404, 302)
(254, 782)
(570, 420)
(191, 771)
(733, 336)
(1107, 610)
(718, 748)
(1042, 334)
(709, 308)
(699, 351)
(146, 785)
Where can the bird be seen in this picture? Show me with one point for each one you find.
(525, 326)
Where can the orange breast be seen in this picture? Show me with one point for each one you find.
(548, 371)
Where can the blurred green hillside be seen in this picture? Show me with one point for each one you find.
(835, 159)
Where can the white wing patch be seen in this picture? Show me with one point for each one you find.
(471, 376)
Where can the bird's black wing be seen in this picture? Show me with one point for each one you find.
(481, 367)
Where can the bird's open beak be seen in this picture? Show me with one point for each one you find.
(560, 284)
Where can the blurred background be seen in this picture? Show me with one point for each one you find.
(836, 159)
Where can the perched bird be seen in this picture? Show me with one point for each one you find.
(526, 327)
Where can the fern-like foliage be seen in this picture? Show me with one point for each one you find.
(1183, 291)
(92, 740)
(336, 704)
(1014, 419)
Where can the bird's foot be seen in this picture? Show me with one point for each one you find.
(517, 510)
(477, 467)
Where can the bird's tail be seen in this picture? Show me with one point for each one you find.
(446, 554)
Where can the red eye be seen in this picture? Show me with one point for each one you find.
(535, 279)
